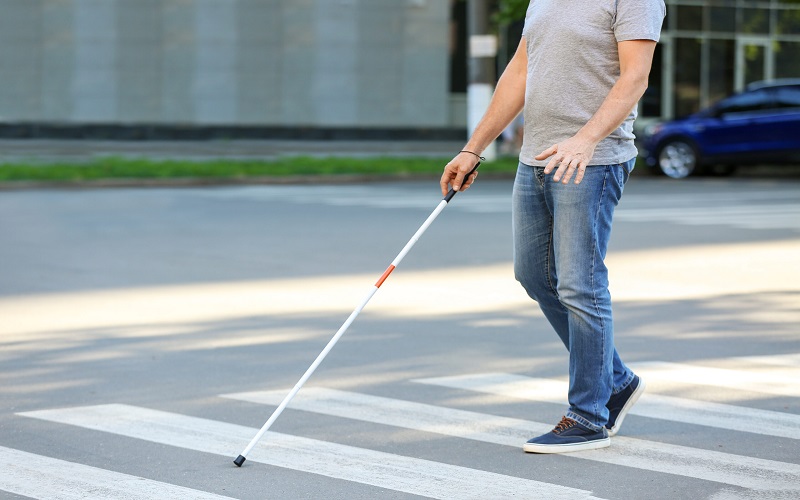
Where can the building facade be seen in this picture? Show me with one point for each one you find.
(712, 48)
(307, 65)
(278, 63)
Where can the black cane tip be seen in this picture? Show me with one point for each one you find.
(239, 461)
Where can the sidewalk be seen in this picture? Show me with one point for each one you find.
(64, 151)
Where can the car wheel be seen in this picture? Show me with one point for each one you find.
(677, 159)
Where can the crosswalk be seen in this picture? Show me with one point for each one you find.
(36, 476)
(395, 472)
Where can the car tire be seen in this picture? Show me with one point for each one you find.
(677, 158)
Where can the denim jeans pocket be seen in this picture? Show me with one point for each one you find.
(624, 172)
(629, 165)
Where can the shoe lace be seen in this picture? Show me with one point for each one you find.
(565, 424)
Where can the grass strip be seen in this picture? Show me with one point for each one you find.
(136, 168)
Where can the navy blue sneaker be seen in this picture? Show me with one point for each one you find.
(568, 436)
(620, 403)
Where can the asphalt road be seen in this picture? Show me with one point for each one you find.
(146, 334)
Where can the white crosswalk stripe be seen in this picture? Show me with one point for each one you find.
(777, 381)
(747, 472)
(47, 478)
(784, 360)
(385, 470)
(721, 416)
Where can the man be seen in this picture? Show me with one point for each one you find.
(578, 73)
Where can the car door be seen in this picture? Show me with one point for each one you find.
(736, 126)
(785, 121)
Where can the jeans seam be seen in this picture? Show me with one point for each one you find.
(550, 249)
(594, 289)
(549, 261)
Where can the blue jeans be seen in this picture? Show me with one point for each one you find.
(561, 234)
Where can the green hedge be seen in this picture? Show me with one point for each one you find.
(127, 168)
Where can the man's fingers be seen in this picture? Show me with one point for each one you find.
(450, 178)
(552, 164)
(468, 180)
(457, 182)
(580, 173)
(458, 174)
(571, 167)
(460, 181)
(547, 152)
(560, 172)
(569, 158)
(463, 180)
(444, 183)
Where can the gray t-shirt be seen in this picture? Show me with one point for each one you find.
(572, 64)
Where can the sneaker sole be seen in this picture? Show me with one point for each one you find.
(567, 448)
(628, 405)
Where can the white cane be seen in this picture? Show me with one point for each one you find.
(241, 458)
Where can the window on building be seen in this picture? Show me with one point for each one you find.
(721, 19)
(689, 18)
(651, 101)
(788, 22)
(754, 21)
(787, 59)
(687, 76)
(721, 71)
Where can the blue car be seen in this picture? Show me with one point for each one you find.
(758, 126)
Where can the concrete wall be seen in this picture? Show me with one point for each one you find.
(330, 63)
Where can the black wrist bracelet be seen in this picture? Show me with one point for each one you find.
(481, 158)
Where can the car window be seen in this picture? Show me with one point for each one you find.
(747, 101)
(787, 97)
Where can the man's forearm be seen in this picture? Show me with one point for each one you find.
(636, 57)
(624, 95)
(507, 101)
(503, 108)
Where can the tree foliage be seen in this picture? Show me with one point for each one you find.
(509, 11)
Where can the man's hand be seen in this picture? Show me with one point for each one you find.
(571, 156)
(455, 172)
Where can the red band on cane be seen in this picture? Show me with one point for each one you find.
(384, 276)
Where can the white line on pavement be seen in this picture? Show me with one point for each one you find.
(384, 470)
(777, 381)
(40, 477)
